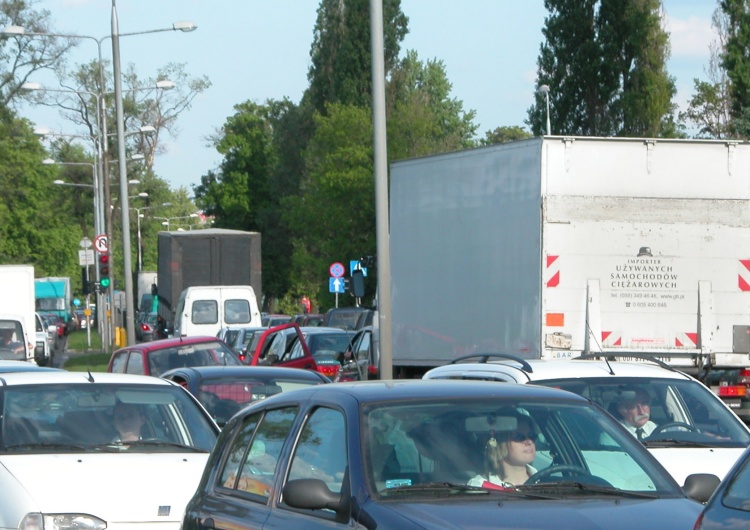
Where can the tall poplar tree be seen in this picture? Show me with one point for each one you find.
(341, 70)
(736, 63)
(605, 64)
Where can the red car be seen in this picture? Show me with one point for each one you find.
(156, 357)
(275, 348)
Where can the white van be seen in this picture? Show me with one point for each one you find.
(205, 310)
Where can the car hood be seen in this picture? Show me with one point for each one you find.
(684, 461)
(114, 487)
(610, 513)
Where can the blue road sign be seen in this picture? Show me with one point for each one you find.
(336, 269)
(335, 285)
(355, 264)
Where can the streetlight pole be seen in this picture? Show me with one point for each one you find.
(544, 89)
(105, 193)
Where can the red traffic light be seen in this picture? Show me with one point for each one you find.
(104, 258)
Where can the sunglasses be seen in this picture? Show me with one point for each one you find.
(521, 437)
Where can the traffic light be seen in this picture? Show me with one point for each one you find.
(104, 271)
(357, 284)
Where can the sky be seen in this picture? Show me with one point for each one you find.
(254, 50)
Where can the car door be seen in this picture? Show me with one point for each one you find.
(274, 345)
(238, 498)
(320, 452)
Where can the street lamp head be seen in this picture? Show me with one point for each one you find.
(143, 195)
(58, 182)
(29, 86)
(183, 25)
(9, 31)
(544, 89)
(134, 182)
(48, 161)
(148, 129)
(137, 156)
(165, 84)
(41, 131)
(165, 223)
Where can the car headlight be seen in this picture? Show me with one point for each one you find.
(61, 521)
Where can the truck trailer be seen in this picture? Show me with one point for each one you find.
(556, 247)
(207, 257)
(53, 295)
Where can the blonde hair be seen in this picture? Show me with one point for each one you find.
(496, 448)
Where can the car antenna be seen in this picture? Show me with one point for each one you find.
(91, 377)
(605, 357)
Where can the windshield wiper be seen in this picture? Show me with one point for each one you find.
(671, 442)
(156, 443)
(569, 486)
(48, 445)
(442, 487)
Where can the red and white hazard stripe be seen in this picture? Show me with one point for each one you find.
(611, 339)
(744, 275)
(686, 340)
(553, 271)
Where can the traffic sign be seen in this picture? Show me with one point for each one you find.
(85, 257)
(356, 265)
(337, 270)
(335, 285)
(101, 243)
(85, 242)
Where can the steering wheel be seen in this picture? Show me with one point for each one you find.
(539, 476)
(673, 424)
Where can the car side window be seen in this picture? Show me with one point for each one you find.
(363, 348)
(118, 363)
(255, 451)
(321, 449)
(135, 363)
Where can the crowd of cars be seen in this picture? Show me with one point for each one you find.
(248, 430)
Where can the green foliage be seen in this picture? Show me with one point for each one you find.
(32, 228)
(501, 135)
(422, 117)
(736, 62)
(340, 55)
(333, 218)
(605, 64)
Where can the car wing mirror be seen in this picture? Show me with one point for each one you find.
(700, 486)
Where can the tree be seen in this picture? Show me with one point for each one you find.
(734, 60)
(21, 56)
(340, 70)
(334, 216)
(34, 221)
(605, 62)
(422, 117)
(500, 135)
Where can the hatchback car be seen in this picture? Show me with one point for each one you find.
(224, 390)
(156, 357)
(687, 427)
(65, 462)
(145, 327)
(729, 506)
(405, 454)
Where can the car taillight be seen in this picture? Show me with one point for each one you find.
(145, 327)
(732, 391)
(372, 370)
(329, 370)
(744, 376)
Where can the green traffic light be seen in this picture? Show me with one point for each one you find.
(104, 282)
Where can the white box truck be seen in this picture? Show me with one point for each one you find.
(560, 246)
(17, 320)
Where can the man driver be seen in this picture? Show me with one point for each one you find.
(635, 413)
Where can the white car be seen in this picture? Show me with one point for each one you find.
(63, 464)
(695, 431)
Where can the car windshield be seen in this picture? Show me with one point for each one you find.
(415, 445)
(682, 410)
(53, 418)
(212, 353)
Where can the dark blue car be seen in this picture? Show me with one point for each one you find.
(729, 507)
(412, 454)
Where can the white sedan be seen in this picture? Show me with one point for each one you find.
(65, 461)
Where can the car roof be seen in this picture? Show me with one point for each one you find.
(66, 377)
(270, 372)
(314, 330)
(415, 389)
(542, 370)
(169, 343)
(7, 366)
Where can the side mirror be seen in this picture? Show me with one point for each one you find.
(700, 486)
